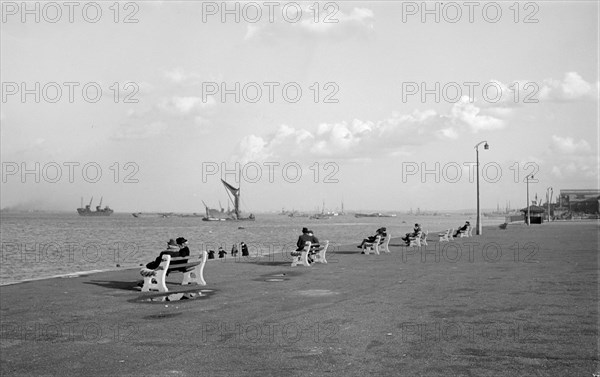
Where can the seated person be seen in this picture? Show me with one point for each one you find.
(303, 238)
(416, 231)
(380, 232)
(462, 229)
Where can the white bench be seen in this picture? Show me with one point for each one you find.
(446, 235)
(378, 245)
(193, 272)
(467, 233)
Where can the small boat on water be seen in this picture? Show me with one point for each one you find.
(87, 211)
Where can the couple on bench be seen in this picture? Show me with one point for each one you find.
(315, 247)
(416, 233)
(175, 248)
(380, 233)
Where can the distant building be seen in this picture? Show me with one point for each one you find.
(583, 201)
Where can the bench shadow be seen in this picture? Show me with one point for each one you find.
(274, 263)
(124, 285)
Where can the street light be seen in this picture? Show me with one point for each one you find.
(549, 192)
(530, 176)
(486, 147)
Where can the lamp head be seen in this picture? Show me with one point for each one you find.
(486, 146)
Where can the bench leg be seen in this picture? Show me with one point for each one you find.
(148, 284)
(154, 280)
(196, 275)
(301, 259)
(367, 249)
(320, 257)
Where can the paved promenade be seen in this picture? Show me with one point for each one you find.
(515, 302)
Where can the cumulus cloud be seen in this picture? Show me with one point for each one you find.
(573, 159)
(357, 138)
(500, 98)
(467, 113)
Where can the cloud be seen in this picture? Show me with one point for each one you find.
(572, 87)
(163, 116)
(566, 145)
(140, 131)
(185, 105)
(326, 23)
(180, 76)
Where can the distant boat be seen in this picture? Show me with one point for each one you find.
(373, 215)
(212, 214)
(322, 215)
(87, 211)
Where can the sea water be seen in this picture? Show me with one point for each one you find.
(39, 245)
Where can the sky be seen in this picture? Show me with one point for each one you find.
(378, 105)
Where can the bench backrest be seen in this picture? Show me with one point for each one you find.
(386, 239)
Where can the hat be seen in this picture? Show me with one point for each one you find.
(304, 230)
(468, 222)
(181, 241)
(416, 224)
(171, 242)
(383, 229)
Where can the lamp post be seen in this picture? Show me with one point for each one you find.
(549, 192)
(485, 146)
(530, 176)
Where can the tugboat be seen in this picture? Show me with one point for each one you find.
(86, 211)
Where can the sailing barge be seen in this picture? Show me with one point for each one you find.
(236, 214)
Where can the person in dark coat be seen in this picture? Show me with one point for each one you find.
(462, 229)
(221, 252)
(303, 238)
(244, 250)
